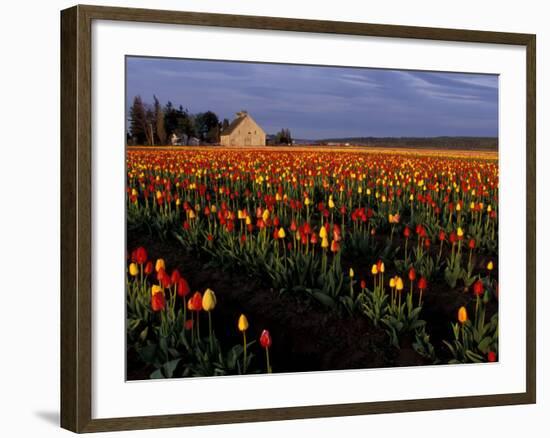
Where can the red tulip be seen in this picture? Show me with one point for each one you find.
(148, 268)
(472, 244)
(412, 274)
(188, 324)
(407, 232)
(141, 255)
(363, 284)
(195, 302)
(183, 287)
(453, 237)
(175, 277)
(157, 302)
(265, 339)
(161, 273)
(441, 235)
(478, 288)
(422, 283)
(491, 356)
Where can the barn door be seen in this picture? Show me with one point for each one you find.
(247, 140)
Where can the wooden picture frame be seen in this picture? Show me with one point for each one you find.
(76, 218)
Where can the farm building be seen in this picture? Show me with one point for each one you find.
(243, 131)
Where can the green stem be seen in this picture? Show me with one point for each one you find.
(267, 359)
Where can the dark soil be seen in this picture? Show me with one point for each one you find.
(306, 336)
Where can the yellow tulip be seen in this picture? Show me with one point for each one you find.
(351, 273)
(208, 300)
(462, 315)
(281, 233)
(330, 202)
(459, 232)
(392, 282)
(324, 242)
(399, 284)
(159, 265)
(133, 269)
(156, 289)
(374, 269)
(382, 267)
(243, 323)
(265, 215)
(490, 265)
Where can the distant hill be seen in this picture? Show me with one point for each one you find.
(444, 142)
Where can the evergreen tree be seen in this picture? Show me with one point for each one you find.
(138, 122)
(159, 122)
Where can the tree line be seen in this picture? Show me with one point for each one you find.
(154, 125)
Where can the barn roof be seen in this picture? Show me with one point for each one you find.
(233, 125)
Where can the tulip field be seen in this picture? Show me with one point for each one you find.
(295, 259)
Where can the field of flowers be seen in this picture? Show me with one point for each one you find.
(283, 260)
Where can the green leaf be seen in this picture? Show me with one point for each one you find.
(324, 299)
(157, 374)
(484, 345)
(170, 367)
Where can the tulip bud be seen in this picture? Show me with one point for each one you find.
(183, 287)
(141, 255)
(265, 339)
(478, 288)
(491, 356)
(243, 323)
(148, 268)
(195, 302)
(133, 269)
(462, 315)
(351, 273)
(158, 302)
(412, 274)
(155, 289)
(422, 283)
(159, 265)
(208, 300)
(490, 265)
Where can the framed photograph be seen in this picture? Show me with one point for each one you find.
(267, 218)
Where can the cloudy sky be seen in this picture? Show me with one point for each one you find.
(323, 102)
